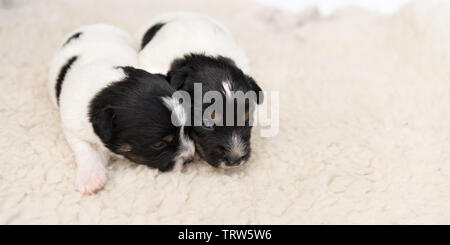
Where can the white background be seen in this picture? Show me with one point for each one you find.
(327, 6)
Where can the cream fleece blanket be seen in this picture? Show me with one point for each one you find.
(364, 121)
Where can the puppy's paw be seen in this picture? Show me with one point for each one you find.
(91, 179)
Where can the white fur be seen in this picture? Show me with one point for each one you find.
(236, 146)
(99, 49)
(227, 88)
(184, 33)
(178, 113)
(91, 162)
(186, 149)
(99, 44)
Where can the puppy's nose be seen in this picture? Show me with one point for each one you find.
(234, 160)
(188, 160)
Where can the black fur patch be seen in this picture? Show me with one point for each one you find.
(73, 37)
(131, 113)
(62, 75)
(211, 72)
(151, 33)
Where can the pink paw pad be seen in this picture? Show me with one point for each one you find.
(90, 181)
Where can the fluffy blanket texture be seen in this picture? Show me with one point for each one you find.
(364, 121)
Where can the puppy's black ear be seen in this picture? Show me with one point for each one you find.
(256, 88)
(226, 60)
(177, 77)
(103, 123)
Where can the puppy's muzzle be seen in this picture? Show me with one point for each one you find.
(234, 160)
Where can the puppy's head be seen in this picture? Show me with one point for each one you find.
(219, 139)
(133, 118)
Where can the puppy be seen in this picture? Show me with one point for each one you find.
(108, 108)
(193, 48)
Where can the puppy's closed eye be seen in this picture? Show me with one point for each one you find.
(125, 148)
(159, 145)
(168, 138)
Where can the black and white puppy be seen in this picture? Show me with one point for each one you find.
(108, 108)
(192, 48)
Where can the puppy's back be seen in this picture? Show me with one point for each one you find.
(88, 45)
(172, 35)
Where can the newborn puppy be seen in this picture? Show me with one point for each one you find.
(107, 107)
(193, 48)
